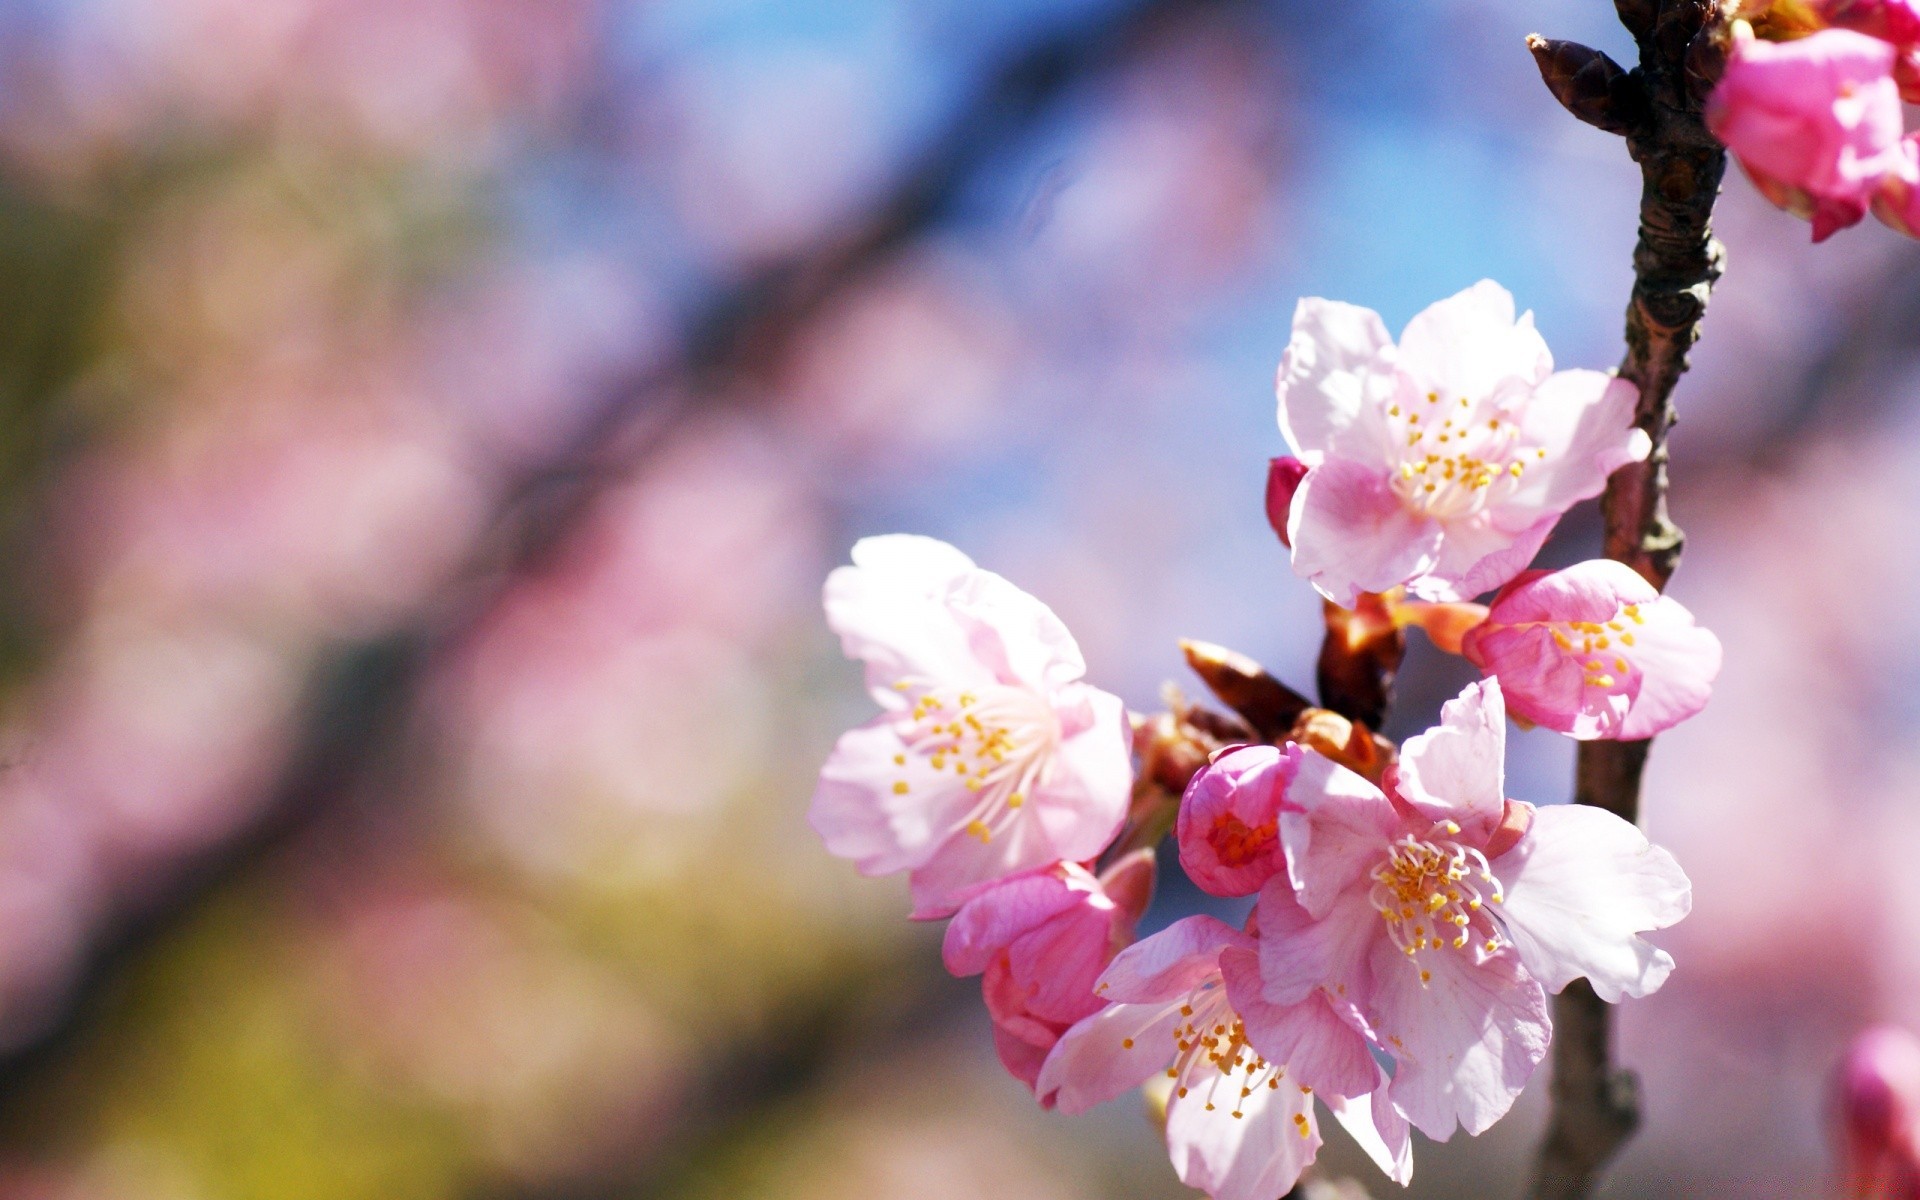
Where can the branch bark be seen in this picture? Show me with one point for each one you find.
(1595, 1106)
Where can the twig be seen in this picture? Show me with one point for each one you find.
(1595, 1105)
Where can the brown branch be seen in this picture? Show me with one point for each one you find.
(1595, 1105)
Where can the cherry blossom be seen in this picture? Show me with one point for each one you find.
(1815, 122)
(991, 757)
(1444, 912)
(1041, 940)
(1594, 651)
(1440, 463)
(1240, 1118)
(1229, 823)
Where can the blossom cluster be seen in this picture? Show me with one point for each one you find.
(1406, 919)
(1810, 105)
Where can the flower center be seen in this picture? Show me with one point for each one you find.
(1237, 843)
(996, 739)
(1600, 648)
(1427, 894)
(1211, 1040)
(1456, 455)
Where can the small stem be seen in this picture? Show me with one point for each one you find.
(1595, 1106)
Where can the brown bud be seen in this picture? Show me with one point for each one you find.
(1268, 705)
(1592, 86)
(1637, 15)
(1348, 743)
(1706, 60)
(1359, 658)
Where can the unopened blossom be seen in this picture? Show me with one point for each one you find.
(1229, 824)
(991, 757)
(1878, 1093)
(1041, 941)
(1815, 122)
(1444, 913)
(1442, 462)
(1595, 651)
(1244, 1073)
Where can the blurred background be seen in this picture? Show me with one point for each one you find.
(424, 427)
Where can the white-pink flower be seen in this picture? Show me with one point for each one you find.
(1595, 651)
(1240, 1119)
(991, 757)
(1443, 462)
(1445, 912)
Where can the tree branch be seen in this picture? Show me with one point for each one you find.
(1676, 262)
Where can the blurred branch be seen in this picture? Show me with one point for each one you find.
(360, 698)
(1676, 261)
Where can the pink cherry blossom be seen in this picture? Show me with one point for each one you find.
(1815, 122)
(1444, 912)
(992, 758)
(1443, 462)
(1240, 1119)
(1229, 823)
(1879, 1108)
(1595, 652)
(1041, 940)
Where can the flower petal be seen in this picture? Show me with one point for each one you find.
(1379, 1129)
(1578, 889)
(1457, 770)
(1256, 1156)
(1300, 954)
(890, 611)
(1318, 1048)
(961, 863)
(861, 811)
(1331, 380)
(1351, 532)
(1108, 1054)
(1014, 633)
(1335, 829)
(1470, 343)
(1228, 830)
(990, 921)
(1081, 799)
(1171, 963)
(1584, 422)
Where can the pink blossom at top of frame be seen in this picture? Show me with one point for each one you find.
(1041, 941)
(1229, 824)
(1442, 462)
(991, 757)
(1878, 1094)
(1815, 122)
(1240, 1120)
(1594, 651)
(1444, 913)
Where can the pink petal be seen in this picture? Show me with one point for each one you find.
(1351, 533)
(1584, 421)
(1283, 479)
(1257, 1156)
(1457, 770)
(1477, 556)
(961, 863)
(1578, 889)
(1014, 634)
(1334, 831)
(1465, 1042)
(1020, 1057)
(1678, 663)
(1300, 954)
(1332, 380)
(1081, 799)
(860, 815)
(1470, 343)
(1059, 962)
(1379, 1129)
(1171, 963)
(890, 611)
(990, 921)
(1318, 1048)
(1107, 1055)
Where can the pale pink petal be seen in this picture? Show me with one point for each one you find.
(1300, 953)
(1059, 961)
(1477, 556)
(1677, 661)
(1171, 963)
(1470, 343)
(1318, 1048)
(1228, 829)
(1015, 634)
(1465, 1041)
(1331, 379)
(1021, 1058)
(1334, 830)
(1379, 1129)
(1456, 771)
(1128, 883)
(891, 613)
(1578, 889)
(1107, 1055)
(861, 813)
(1584, 422)
(1081, 797)
(962, 862)
(1351, 532)
(1256, 1156)
(1543, 683)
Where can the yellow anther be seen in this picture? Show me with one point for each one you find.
(1126, 1043)
(979, 829)
(1016, 800)
(1426, 976)
(899, 787)
(1492, 945)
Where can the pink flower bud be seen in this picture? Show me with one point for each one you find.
(1229, 821)
(1283, 477)
(1879, 1103)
